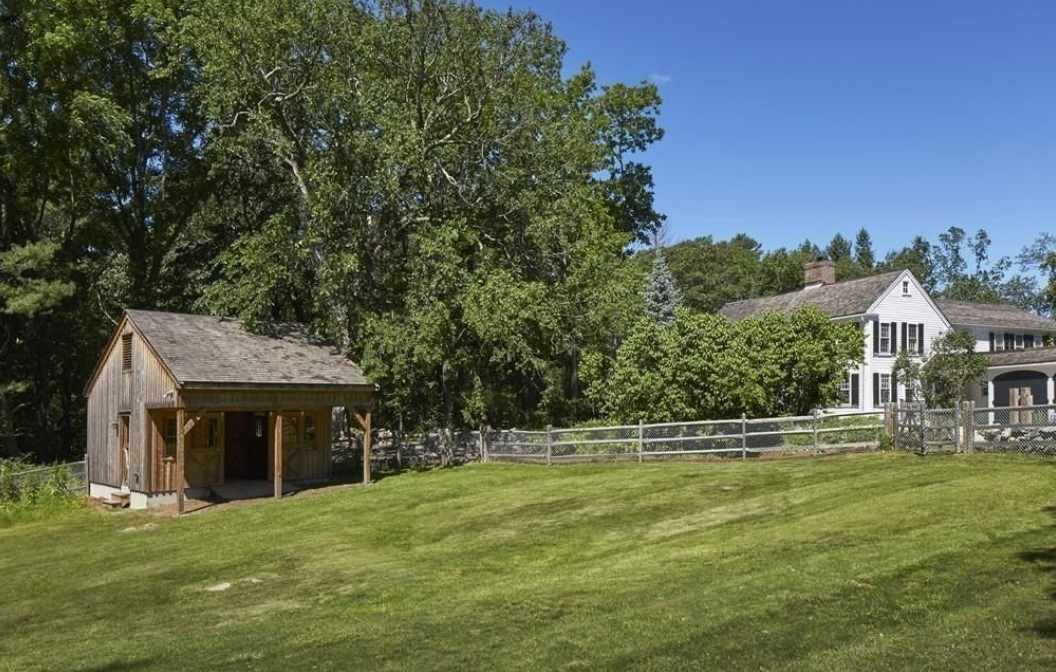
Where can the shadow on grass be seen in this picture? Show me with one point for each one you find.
(1044, 559)
(123, 665)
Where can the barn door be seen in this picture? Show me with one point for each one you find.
(205, 454)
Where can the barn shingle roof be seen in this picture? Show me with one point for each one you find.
(214, 351)
(993, 315)
(851, 297)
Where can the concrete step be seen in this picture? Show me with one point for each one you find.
(118, 499)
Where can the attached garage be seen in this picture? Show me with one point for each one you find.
(1015, 375)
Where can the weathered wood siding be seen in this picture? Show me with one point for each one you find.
(115, 392)
(303, 459)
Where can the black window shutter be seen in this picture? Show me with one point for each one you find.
(876, 389)
(904, 341)
(876, 337)
(920, 338)
(894, 387)
(855, 396)
(894, 338)
(992, 339)
(1028, 341)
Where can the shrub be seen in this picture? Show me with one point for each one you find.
(40, 490)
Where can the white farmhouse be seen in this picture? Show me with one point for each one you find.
(896, 313)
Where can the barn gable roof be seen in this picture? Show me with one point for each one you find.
(208, 351)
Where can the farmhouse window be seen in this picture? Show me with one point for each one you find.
(885, 338)
(905, 288)
(845, 391)
(1028, 341)
(913, 339)
(1019, 341)
(170, 437)
(885, 388)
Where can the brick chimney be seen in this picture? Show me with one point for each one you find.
(816, 273)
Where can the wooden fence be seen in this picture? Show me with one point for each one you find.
(741, 438)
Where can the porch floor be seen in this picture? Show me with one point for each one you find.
(249, 489)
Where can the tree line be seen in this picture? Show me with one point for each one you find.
(415, 180)
(957, 266)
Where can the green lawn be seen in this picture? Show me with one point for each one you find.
(878, 561)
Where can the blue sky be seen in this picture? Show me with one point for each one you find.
(788, 119)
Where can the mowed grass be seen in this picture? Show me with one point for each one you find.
(879, 561)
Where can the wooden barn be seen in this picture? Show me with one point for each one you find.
(194, 402)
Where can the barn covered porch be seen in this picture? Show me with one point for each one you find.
(237, 442)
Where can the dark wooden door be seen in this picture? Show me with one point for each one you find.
(245, 446)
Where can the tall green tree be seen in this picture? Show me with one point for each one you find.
(863, 250)
(457, 209)
(100, 172)
(838, 249)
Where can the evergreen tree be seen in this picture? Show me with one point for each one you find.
(863, 250)
(839, 248)
(662, 297)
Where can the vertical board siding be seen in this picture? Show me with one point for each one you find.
(115, 392)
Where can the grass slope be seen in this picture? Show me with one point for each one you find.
(858, 562)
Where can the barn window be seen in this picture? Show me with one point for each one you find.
(126, 352)
(309, 432)
(170, 437)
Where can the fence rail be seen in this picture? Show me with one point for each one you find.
(72, 476)
(731, 438)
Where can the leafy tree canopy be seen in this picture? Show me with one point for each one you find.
(705, 366)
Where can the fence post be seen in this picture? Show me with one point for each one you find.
(814, 426)
(549, 444)
(641, 439)
(744, 436)
(923, 430)
(958, 440)
(893, 409)
(483, 446)
(968, 417)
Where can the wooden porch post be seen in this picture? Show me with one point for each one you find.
(278, 455)
(366, 447)
(180, 417)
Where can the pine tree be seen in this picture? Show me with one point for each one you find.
(662, 297)
(863, 250)
(839, 248)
